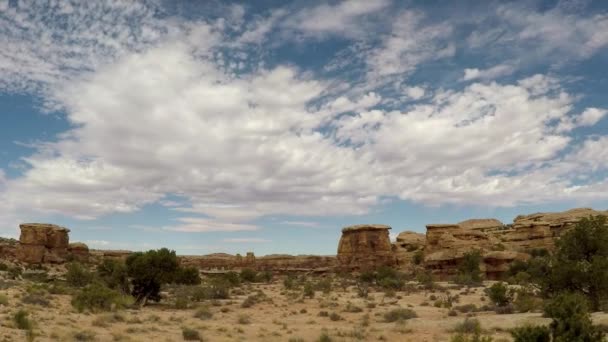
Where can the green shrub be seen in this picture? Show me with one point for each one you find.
(309, 290)
(526, 301)
(187, 276)
(418, 257)
(580, 263)
(468, 326)
(85, 335)
(469, 272)
(531, 334)
(15, 272)
(335, 317)
(191, 335)
(3, 300)
(400, 314)
(231, 278)
(571, 319)
(78, 275)
(21, 320)
(3, 267)
(97, 297)
(264, 277)
(149, 271)
(290, 282)
(500, 294)
(203, 313)
(248, 275)
(324, 338)
(323, 285)
(115, 275)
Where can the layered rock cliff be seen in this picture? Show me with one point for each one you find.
(365, 246)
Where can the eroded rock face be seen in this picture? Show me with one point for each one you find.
(498, 244)
(406, 245)
(43, 243)
(364, 247)
(79, 251)
(274, 262)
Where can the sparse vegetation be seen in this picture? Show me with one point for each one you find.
(400, 314)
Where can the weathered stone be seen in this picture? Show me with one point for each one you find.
(79, 251)
(406, 245)
(365, 247)
(43, 243)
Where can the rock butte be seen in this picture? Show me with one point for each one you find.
(361, 247)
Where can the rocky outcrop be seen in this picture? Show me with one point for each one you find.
(498, 244)
(79, 251)
(406, 245)
(42, 243)
(365, 246)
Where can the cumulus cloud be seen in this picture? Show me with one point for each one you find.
(344, 18)
(410, 43)
(488, 74)
(152, 118)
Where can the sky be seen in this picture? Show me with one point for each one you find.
(268, 126)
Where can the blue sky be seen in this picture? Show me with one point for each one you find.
(266, 127)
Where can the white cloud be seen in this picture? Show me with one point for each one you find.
(345, 18)
(301, 223)
(587, 118)
(196, 224)
(410, 43)
(556, 35)
(415, 93)
(246, 240)
(488, 74)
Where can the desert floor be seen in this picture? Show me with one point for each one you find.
(279, 317)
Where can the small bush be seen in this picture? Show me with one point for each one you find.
(97, 297)
(78, 275)
(187, 276)
(531, 334)
(191, 335)
(22, 321)
(400, 314)
(335, 317)
(324, 338)
(248, 275)
(468, 326)
(3, 300)
(418, 257)
(571, 319)
(309, 290)
(500, 294)
(203, 313)
(244, 319)
(85, 335)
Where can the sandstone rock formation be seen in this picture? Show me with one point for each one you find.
(499, 244)
(274, 262)
(407, 244)
(365, 246)
(79, 251)
(42, 243)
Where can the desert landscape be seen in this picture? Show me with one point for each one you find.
(459, 282)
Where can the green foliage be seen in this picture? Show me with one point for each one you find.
(15, 272)
(526, 301)
(468, 326)
(290, 283)
(97, 297)
(309, 290)
(384, 277)
(149, 271)
(478, 337)
(418, 257)
(531, 333)
(232, 278)
(400, 314)
(191, 335)
(324, 285)
(571, 319)
(187, 276)
(248, 275)
(22, 321)
(265, 276)
(500, 294)
(78, 275)
(3, 300)
(3, 267)
(580, 262)
(218, 288)
(115, 275)
(468, 269)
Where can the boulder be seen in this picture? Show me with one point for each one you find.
(365, 246)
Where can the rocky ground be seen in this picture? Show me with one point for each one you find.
(276, 314)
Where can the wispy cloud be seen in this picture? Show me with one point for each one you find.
(246, 240)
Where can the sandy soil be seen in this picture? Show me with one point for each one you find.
(278, 318)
